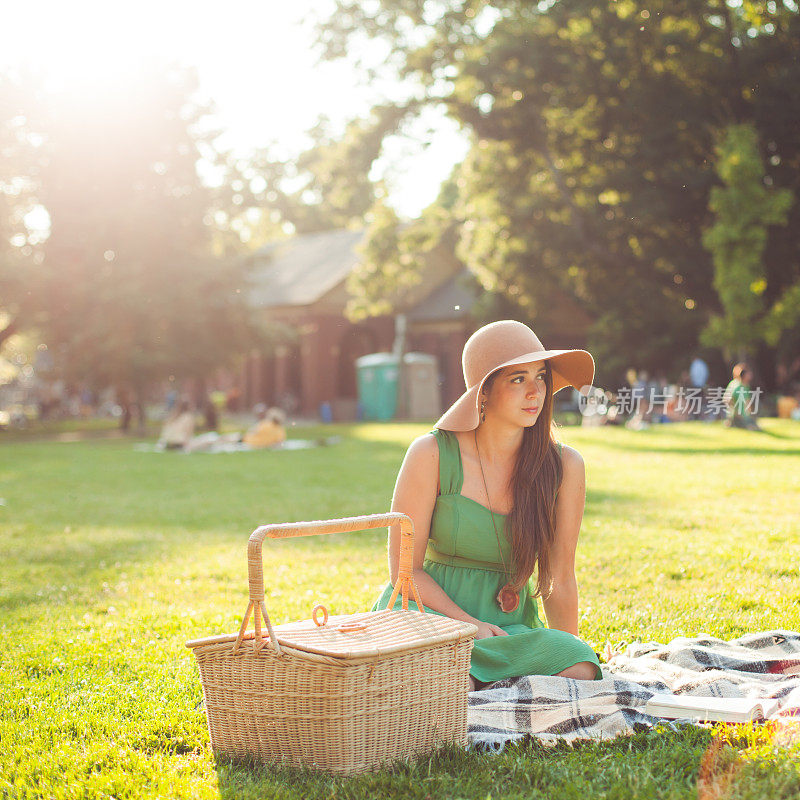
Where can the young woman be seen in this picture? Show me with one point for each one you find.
(497, 505)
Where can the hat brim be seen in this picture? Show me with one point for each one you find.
(568, 367)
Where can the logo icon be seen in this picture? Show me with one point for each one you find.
(592, 401)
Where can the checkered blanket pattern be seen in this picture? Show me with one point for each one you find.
(552, 709)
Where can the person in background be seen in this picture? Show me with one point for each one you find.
(698, 377)
(178, 428)
(640, 400)
(737, 397)
(794, 413)
(698, 372)
(171, 400)
(218, 398)
(661, 392)
(269, 428)
(210, 416)
(233, 399)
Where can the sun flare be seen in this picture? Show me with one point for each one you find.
(256, 65)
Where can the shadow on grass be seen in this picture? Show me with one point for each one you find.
(698, 438)
(647, 447)
(660, 762)
(451, 765)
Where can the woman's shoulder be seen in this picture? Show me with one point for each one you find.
(572, 462)
(420, 468)
(424, 450)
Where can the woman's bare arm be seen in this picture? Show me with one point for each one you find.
(415, 495)
(561, 607)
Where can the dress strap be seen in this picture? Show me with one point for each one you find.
(451, 473)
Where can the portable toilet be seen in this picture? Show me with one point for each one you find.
(377, 385)
(377, 375)
(421, 382)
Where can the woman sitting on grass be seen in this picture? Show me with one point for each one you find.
(497, 505)
(178, 428)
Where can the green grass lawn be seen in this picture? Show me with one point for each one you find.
(113, 558)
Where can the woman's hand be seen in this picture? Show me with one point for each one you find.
(486, 630)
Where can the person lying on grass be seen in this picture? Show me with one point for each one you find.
(497, 505)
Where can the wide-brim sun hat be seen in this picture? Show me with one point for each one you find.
(504, 344)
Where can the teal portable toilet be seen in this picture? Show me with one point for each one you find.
(377, 375)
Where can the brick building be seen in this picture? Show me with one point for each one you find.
(301, 284)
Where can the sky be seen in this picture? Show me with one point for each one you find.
(255, 61)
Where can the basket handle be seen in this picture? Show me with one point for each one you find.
(255, 567)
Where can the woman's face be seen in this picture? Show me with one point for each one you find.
(517, 393)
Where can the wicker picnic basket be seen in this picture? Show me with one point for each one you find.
(343, 694)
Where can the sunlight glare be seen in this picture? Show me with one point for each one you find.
(255, 62)
(76, 45)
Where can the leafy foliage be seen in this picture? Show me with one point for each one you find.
(138, 278)
(18, 169)
(593, 130)
(744, 207)
(396, 257)
(328, 186)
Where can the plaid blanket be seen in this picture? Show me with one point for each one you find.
(555, 709)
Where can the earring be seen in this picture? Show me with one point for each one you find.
(483, 411)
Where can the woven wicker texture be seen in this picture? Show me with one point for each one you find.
(344, 696)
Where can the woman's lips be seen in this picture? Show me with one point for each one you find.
(532, 409)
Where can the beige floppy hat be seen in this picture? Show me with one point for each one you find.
(501, 344)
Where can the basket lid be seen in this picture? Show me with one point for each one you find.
(373, 633)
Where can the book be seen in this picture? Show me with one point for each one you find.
(710, 709)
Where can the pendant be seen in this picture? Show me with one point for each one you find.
(508, 599)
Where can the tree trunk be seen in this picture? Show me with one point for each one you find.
(399, 350)
(141, 414)
(124, 401)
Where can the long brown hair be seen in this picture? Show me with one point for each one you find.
(531, 524)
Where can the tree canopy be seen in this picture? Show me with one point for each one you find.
(593, 131)
(744, 207)
(137, 277)
(328, 185)
(18, 172)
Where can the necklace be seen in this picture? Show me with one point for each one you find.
(508, 597)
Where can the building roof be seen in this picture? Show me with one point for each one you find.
(313, 267)
(299, 271)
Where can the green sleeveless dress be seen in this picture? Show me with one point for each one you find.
(463, 558)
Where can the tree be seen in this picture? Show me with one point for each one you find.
(328, 185)
(744, 207)
(19, 249)
(398, 255)
(593, 129)
(139, 278)
(395, 258)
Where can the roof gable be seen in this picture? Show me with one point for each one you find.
(300, 270)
